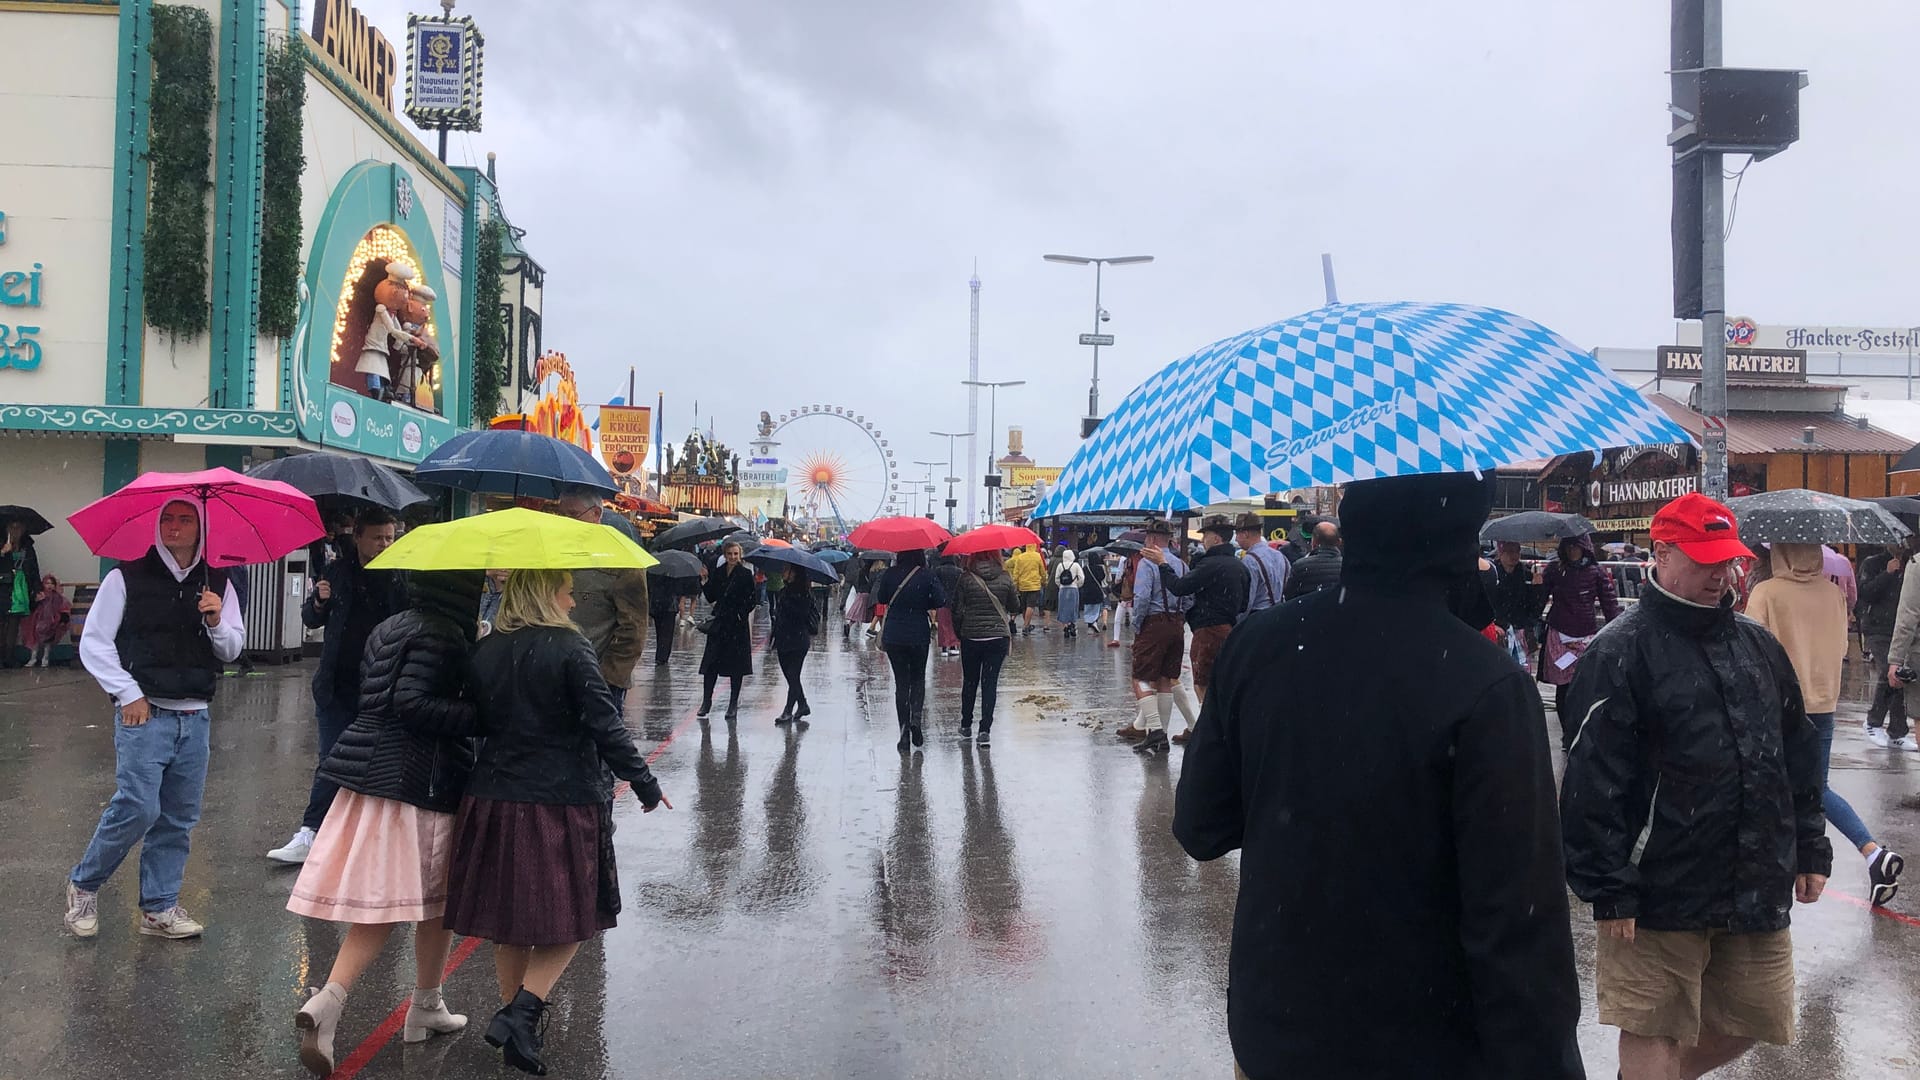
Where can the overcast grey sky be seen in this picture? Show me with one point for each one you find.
(764, 203)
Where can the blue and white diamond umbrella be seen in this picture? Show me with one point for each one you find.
(1352, 392)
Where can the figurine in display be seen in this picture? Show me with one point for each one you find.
(384, 331)
(415, 356)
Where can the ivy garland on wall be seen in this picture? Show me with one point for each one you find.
(179, 153)
(489, 333)
(280, 211)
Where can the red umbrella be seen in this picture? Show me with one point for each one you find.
(990, 538)
(899, 534)
(245, 521)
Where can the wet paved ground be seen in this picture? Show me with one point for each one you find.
(816, 907)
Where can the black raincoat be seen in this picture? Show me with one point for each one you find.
(1692, 792)
(1402, 908)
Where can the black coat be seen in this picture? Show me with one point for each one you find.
(360, 597)
(1692, 794)
(1217, 583)
(1451, 958)
(28, 565)
(1879, 603)
(1515, 601)
(1320, 569)
(796, 618)
(413, 741)
(729, 642)
(550, 727)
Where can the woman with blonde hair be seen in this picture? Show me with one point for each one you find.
(533, 869)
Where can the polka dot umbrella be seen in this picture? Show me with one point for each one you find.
(1799, 516)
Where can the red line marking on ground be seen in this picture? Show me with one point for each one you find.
(397, 1019)
(1880, 911)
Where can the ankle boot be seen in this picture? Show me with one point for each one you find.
(906, 738)
(517, 1029)
(316, 1021)
(733, 705)
(803, 710)
(428, 1015)
(706, 705)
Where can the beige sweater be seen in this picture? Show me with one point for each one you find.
(1808, 614)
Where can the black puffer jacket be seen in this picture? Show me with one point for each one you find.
(413, 739)
(549, 722)
(1692, 794)
(1320, 569)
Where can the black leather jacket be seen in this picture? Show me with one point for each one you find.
(1692, 794)
(413, 741)
(549, 723)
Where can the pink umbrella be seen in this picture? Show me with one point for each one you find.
(246, 520)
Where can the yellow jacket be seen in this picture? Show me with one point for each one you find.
(1028, 570)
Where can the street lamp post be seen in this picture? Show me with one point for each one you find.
(951, 479)
(992, 473)
(1096, 338)
(929, 488)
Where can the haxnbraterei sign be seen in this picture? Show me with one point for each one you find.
(19, 349)
(1743, 365)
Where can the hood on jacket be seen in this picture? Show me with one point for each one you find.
(1799, 562)
(200, 546)
(1068, 558)
(1407, 530)
(1585, 541)
(452, 594)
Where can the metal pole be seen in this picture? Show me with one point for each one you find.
(1326, 273)
(1093, 394)
(1713, 292)
(443, 146)
(973, 375)
(993, 425)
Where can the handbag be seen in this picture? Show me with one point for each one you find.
(705, 625)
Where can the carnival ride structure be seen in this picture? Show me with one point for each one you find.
(842, 469)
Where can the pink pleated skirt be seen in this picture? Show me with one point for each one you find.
(376, 861)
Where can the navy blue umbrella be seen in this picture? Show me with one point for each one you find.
(506, 462)
(832, 556)
(770, 558)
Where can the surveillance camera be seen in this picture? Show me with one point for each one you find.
(1105, 316)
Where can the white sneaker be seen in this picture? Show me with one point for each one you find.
(172, 923)
(83, 911)
(1909, 743)
(297, 848)
(1878, 736)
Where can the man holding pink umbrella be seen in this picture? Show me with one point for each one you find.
(161, 626)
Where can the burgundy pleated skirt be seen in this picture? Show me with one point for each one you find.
(532, 873)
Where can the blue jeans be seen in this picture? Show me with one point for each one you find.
(1839, 813)
(160, 773)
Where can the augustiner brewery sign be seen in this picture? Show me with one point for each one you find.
(1743, 365)
(362, 51)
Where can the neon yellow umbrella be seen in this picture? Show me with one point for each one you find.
(516, 539)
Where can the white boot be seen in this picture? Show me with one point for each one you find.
(316, 1021)
(428, 1016)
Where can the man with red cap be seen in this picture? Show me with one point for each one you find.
(1690, 810)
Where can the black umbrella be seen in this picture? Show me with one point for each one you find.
(1126, 547)
(877, 556)
(674, 564)
(1799, 516)
(342, 476)
(507, 462)
(1898, 504)
(1535, 525)
(768, 558)
(689, 534)
(35, 523)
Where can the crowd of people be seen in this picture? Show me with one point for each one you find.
(470, 725)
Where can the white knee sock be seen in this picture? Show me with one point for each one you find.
(1165, 701)
(1189, 709)
(1143, 714)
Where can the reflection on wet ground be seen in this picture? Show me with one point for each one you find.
(818, 906)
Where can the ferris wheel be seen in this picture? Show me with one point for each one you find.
(839, 466)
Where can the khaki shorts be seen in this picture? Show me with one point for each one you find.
(1675, 984)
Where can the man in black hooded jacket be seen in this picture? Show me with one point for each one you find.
(1402, 910)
